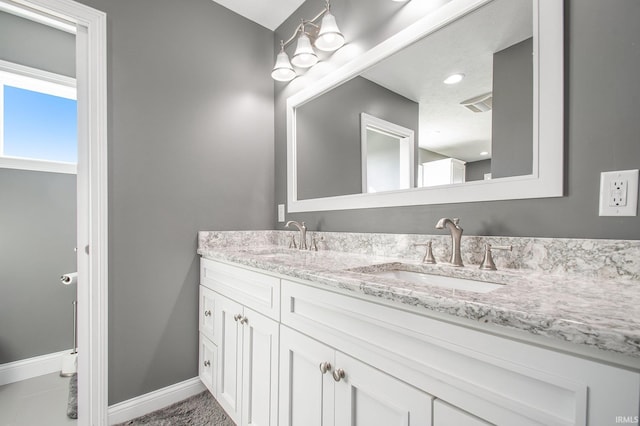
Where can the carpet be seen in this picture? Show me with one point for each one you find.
(199, 410)
(72, 403)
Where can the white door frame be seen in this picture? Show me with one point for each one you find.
(92, 231)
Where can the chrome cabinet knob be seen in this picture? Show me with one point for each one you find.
(207, 363)
(207, 313)
(338, 374)
(243, 320)
(325, 366)
(237, 317)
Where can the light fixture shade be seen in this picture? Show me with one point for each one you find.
(304, 56)
(283, 71)
(329, 37)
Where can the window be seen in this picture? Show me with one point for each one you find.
(38, 120)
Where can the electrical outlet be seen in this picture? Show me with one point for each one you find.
(619, 193)
(280, 212)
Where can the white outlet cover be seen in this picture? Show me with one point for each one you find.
(630, 179)
(280, 212)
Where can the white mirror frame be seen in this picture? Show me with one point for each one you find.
(546, 179)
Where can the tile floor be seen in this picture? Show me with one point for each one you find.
(37, 401)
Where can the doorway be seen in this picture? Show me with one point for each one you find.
(91, 195)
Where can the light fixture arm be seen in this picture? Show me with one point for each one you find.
(303, 23)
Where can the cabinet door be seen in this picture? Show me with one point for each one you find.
(447, 415)
(366, 396)
(259, 370)
(206, 311)
(208, 363)
(306, 393)
(228, 339)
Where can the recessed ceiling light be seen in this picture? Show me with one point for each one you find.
(483, 153)
(454, 78)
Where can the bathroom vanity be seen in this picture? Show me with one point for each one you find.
(295, 337)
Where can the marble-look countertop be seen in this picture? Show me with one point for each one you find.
(595, 312)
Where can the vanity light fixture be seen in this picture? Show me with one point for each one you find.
(283, 71)
(304, 56)
(454, 79)
(326, 37)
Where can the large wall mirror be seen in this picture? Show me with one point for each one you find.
(497, 134)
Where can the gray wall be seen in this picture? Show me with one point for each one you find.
(512, 112)
(329, 154)
(602, 59)
(35, 45)
(190, 148)
(38, 234)
(424, 156)
(476, 170)
(37, 219)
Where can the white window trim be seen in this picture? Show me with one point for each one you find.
(41, 81)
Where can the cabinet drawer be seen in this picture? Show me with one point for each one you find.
(255, 290)
(206, 313)
(446, 415)
(208, 364)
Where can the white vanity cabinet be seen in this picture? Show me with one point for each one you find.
(473, 375)
(320, 386)
(243, 347)
(281, 351)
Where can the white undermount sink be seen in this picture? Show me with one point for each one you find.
(438, 280)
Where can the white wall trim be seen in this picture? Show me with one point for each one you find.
(37, 165)
(152, 401)
(31, 367)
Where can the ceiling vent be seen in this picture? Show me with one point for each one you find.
(482, 103)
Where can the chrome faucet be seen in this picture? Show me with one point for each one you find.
(456, 236)
(303, 233)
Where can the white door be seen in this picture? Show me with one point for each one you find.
(259, 370)
(306, 392)
(365, 396)
(229, 341)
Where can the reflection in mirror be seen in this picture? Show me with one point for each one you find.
(329, 155)
(387, 155)
(492, 131)
(489, 107)
(460, 125)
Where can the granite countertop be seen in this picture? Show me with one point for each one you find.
(597, 313)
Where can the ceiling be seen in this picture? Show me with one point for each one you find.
(268, 13)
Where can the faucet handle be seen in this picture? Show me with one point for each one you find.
(428, 255)
(487, 263)
(456, 221)
(292, 243)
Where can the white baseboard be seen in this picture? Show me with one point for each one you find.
(31, 367)
(152, 401)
